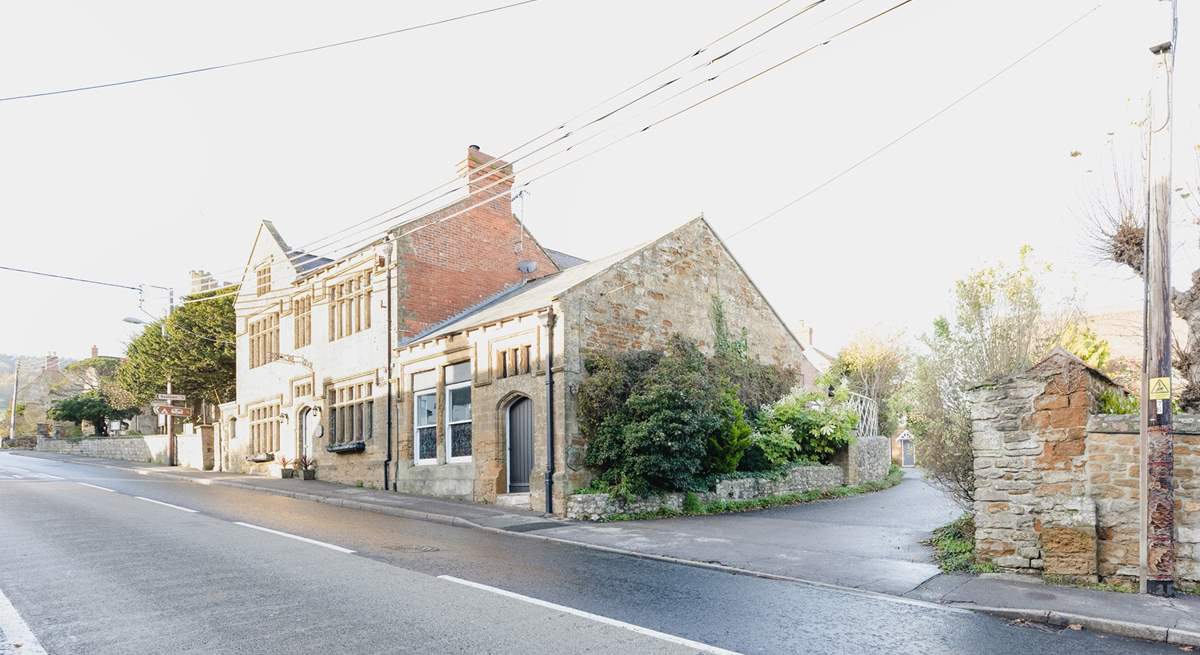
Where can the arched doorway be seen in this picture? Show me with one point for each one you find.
(519, 431)
(908, 453)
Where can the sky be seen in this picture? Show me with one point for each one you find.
(139, 184)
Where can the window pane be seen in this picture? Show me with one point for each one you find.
(427, 443)
(460, 440)
(426, 410)
(460, 404)
(458, 373)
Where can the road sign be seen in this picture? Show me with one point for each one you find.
(171, 396)
(166, 410)
(1160, 388)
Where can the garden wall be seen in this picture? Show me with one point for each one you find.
(193, 451)
(593, 507)
(1056, 483)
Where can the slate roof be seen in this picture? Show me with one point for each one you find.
(563, 260)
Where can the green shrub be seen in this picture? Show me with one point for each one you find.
(1113, 401)
(819, 425)
(771, 450)
(650, 417)
(691, 503)
(728, 444)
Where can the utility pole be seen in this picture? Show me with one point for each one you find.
(12, 409)
(1158, 442)
(170, 419)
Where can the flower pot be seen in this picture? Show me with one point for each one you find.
(286, 473)
(308, 474)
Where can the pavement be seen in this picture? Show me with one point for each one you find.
(866, 547)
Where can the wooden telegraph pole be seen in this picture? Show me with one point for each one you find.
(12, 409)
(1159, 442)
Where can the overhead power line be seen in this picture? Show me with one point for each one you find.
(564, 127)
(505, 178)
(373, 222)
(391, 222)
(72, 279)
(257, 60)
(880, 150)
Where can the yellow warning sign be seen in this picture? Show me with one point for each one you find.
(1160, 388)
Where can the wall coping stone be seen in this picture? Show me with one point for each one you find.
(1130, 423)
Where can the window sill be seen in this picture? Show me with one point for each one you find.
(261, 457)
(459, 460)
(350, 447)
(425, 462)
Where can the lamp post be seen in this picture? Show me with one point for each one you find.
(163, 324)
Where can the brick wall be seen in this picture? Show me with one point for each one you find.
(450, 264)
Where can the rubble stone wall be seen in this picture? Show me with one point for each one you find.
(1056, 483)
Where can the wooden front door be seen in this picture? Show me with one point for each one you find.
(520, 445)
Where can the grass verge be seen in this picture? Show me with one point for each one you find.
(954, 547)
(693, 507)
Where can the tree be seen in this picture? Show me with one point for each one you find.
(1118, 236)
(875, 366)
(1000, 327)
(198, 352)
(88, 406)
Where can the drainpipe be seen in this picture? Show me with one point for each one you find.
(387, 462)
(550, 413)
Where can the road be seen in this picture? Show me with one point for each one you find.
(95, 563)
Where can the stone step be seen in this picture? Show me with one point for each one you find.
(513, 500)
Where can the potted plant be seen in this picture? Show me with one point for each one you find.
(307, 467)
(285, 471)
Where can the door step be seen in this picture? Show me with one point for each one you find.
(513, 500)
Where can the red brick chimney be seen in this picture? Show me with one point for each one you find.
(489, 177)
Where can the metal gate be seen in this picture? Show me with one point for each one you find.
(520, 445)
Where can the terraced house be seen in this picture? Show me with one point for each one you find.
(443, 358)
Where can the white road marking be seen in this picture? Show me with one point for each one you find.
(159, 502)
(96, 486)
(15, 631)
(295, 536)
(696, 645)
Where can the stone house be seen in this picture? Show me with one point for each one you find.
(1057, 483)
(471, 394)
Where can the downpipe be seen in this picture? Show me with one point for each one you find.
(550, 319)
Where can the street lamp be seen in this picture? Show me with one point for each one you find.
(163, 324)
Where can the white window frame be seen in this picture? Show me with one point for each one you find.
(416, 428)
(449, 436)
